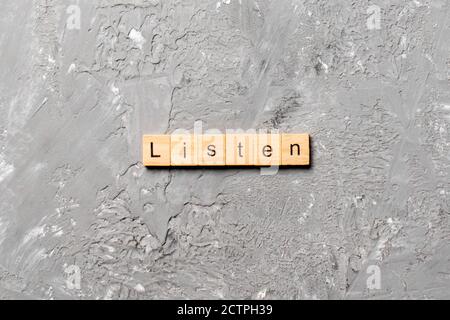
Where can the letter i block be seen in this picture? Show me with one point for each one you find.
(212, 151)
(295, 149)
(268, 150)
(183, 150)
(240, 149)
(156, 150)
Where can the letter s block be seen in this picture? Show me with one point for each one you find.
(212, 151)
(295, 149)
(156, 150)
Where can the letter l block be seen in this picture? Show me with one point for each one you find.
(156, 150)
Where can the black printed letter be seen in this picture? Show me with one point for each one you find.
(151, 152)
(292, 149)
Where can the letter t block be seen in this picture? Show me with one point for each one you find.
(240, 149)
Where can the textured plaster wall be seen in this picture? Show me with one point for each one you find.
(81, 81)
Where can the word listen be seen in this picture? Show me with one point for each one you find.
(226, 150)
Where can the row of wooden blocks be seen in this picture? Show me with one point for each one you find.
(226, 150)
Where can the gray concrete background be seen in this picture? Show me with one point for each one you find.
(369, 219)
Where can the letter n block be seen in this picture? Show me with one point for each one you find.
(156, 150)
(183, 150)
(295, 149)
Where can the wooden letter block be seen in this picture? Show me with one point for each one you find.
(183, 150)
(156, 150)
(268, 150)
(235, 149)
(240, 149)
(295, 149)
(212, 151)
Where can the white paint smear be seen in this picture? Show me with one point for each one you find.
(5, 169)
(137, 38)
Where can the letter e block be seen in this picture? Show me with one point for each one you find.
(268, 150)
(295, 149)
(156, 150)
